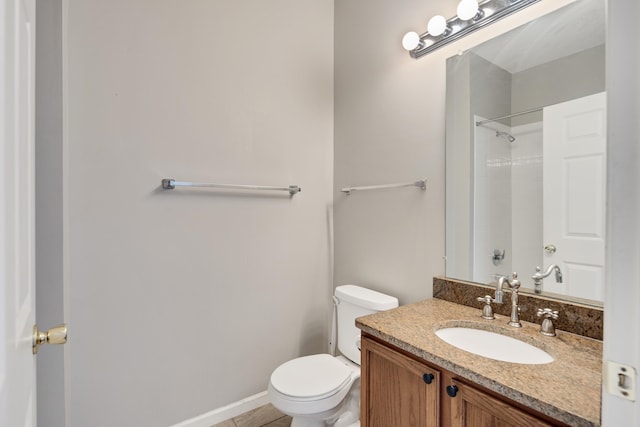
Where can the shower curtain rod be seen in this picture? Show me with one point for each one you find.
(495, 119)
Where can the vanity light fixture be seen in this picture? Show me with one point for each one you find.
(437, 26)
(469, 10)
(471, 16)
(411, 41)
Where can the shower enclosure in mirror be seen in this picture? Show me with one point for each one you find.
(526, 146)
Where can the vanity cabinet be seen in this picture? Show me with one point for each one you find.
(400, 390)
(471, 407)
(397, 390)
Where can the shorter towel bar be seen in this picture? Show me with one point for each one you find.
(422, 184)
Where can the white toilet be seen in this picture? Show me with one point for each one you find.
(323, 390)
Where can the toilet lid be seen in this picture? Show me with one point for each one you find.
(311, 376)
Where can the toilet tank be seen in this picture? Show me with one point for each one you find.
(353, 302)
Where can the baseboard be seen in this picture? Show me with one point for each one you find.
(226, 412)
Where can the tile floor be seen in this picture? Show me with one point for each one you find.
(264, 416)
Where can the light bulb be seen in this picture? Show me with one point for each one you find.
(437, 25)
(467, 9)
(411, 40)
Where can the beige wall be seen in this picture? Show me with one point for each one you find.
(389, 128)
(181, 302)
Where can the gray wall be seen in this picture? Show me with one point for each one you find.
(575, 76)
(49, 208)
(491, 89)
(459, 167)
(181, 302)
(475, 86)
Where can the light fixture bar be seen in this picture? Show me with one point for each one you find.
(492, 11)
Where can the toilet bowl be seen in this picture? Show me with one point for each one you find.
(321, 389)
(314, 390)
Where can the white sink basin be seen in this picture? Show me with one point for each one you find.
(494, 346)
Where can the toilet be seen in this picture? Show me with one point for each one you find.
(321, 389)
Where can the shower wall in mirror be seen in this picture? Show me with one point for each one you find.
(514, 105)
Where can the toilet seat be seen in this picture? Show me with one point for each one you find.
(311, 378)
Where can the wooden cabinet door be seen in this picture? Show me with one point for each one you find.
(397, 391)
(471, 407)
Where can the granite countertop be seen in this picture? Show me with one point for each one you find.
(567, 389)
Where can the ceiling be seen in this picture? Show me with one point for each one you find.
(568, 30)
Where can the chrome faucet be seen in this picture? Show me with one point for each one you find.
(538, 276)
(514, 284)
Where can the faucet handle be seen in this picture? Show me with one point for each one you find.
(515, 283)
(547, 328)
(487, 310)
(537, 281)
(548, 313)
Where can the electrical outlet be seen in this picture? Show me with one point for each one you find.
(620, 380)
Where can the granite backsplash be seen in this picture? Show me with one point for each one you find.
(573, 317)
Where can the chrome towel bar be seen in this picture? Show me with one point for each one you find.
(170, 184)
(421, 183)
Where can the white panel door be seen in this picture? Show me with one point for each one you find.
(17, 213)
(574, 162)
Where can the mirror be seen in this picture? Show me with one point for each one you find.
(525, 156)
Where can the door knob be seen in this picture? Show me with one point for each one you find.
(550, 249)
(55, 335)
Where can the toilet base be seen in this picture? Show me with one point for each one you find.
(307, 422)
(347, 414)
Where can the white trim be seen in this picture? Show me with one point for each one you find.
(226, 412)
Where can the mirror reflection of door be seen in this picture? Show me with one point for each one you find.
(574, 159)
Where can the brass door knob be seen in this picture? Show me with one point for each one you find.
(55, 335)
